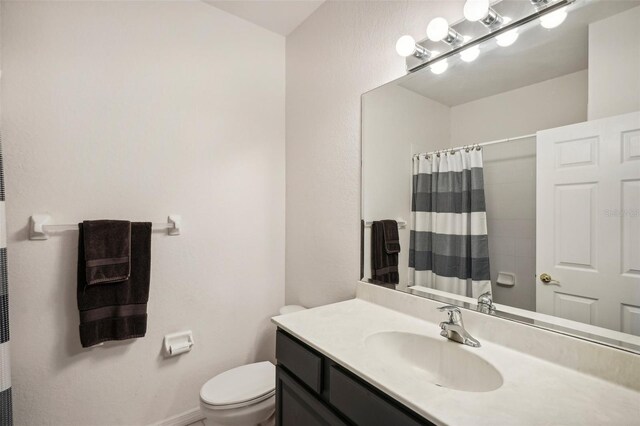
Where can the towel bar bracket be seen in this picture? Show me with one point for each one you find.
(175, 223)
(39, 226)
(37, 223)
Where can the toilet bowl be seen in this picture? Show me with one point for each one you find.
(242, 396)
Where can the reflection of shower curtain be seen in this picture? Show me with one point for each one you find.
(449, 247)
(5, 379)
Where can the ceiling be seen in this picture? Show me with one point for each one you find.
(279, 16)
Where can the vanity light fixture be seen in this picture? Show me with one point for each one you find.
(538, 4)
(470, 54)
(508, 38)
(439, 30)
(439, 67)
(407, 46)
(481, 10)
(554, 18)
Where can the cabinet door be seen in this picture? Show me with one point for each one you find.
(295, 406)
(365, 406)
(303, 362)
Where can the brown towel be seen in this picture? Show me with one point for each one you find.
(116, 311)
(384, 264)
(107, 250)
(391, 236)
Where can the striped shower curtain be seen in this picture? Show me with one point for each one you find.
(449, 247)
(5, 378)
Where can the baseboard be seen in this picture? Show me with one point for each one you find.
(184, 419)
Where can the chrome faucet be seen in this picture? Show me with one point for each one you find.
(485, 303)
(453, 329)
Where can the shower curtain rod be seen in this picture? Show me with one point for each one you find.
(473, 145)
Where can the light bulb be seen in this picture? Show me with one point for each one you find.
(439, 67)
(508, 38)
(554, 19)
(438, 29)
(475, 10)
(406, 46)
(470, 54)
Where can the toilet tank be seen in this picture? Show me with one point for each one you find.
(290, 309)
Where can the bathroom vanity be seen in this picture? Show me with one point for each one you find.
(312, 389)
(379, 359)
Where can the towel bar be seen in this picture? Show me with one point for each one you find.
(39, 226)
(401, 224)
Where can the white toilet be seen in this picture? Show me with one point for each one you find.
(242, 396)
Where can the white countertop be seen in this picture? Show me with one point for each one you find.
(534, 392)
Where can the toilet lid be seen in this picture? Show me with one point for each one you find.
(240, 384)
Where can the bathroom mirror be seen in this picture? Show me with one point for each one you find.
(514, 170)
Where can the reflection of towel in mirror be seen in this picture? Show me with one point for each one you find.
(385, 246)
(391, 237)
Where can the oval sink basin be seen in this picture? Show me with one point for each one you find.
(439, 361)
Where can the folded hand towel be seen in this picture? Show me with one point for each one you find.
(107, 250)
(116, 311)
(384, 265)
(391, 237)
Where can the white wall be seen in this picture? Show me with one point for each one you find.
(397, 124)
(344, 49)
(614, 65)
(544, 105)
(136, 110)
(510, 194)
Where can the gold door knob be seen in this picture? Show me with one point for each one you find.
(546, 278)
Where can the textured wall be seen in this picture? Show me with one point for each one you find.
(396, 124)
(137, 110)
(344, 49)
(614, 65)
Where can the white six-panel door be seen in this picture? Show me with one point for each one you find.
(588, 222)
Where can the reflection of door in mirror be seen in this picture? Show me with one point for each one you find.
(588, 222)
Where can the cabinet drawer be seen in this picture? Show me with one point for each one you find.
(365, 406)
(300, 360)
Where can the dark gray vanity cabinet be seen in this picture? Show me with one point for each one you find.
(312, 390)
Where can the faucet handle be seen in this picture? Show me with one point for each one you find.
(486, 298)
(455, 316)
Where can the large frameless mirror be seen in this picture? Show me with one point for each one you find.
(512, 169)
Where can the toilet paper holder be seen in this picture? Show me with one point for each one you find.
(178, 343)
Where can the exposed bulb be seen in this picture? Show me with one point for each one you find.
(554, 19)
(438, 29)
(475, 10)
(406, 46)
(508, 38)
(470, 54)
(439, 67)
